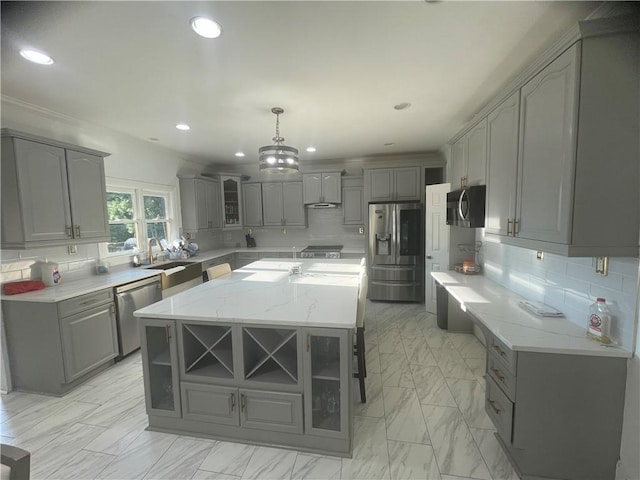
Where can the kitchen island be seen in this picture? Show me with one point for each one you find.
(260, 356)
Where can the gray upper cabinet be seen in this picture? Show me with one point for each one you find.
(548, 111)
(323, 187)
(353, 201)
(389, 184)
(562, 151)
(52, 193)
(502, 166)
(282, 204)
(200, 200)
(252, 204)
(578, 111)
(469, 157)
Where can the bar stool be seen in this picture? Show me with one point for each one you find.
(218, 271)
(359, 347)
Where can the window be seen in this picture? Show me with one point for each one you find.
(137, 214)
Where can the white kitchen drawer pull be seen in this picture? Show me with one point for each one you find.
(493, 406)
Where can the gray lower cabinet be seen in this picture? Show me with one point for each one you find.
(556, 415)
(89, 339)
(72, 340)
(262, 384)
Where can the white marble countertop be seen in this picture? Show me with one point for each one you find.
(324, 295)
(81, 286)
(122, 275)
(497, 309)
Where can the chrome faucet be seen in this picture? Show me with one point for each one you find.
(151, 251)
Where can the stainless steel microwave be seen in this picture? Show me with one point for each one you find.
(466, 207)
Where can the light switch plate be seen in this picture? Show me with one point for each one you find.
(602, 265)
(73, 249)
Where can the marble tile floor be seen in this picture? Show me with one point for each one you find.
(424, 419)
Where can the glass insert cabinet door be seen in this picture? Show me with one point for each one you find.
(160, 364)
(327, 381)
(231, 199)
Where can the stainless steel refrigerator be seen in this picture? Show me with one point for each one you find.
(395, 252)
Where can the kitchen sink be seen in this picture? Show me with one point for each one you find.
(191, 275)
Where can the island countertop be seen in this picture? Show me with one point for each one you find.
(323, 295)
(497, 309)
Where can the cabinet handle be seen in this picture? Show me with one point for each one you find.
(78, 231)
(232, 399)
(493, 406)
(69, 231)
(499, 350)
(167, 332)
(497, 372)
(515, 227)
(308, 342)
(509, 222)
(243, 402)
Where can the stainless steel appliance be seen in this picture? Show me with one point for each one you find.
(321, 251)
(129, 298)
(466, 207)
(395, 251)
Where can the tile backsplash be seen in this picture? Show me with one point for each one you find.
(23, 264)
(568, 284)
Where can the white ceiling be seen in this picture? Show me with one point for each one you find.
(337, 69)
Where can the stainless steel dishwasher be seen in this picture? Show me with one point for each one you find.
(129, 298)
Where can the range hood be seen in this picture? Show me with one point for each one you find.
(322, 205)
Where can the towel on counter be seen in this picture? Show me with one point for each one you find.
(540, 309)
(13, 288)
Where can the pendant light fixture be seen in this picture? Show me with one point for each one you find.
(278, 158)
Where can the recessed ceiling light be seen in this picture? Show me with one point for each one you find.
(402, 106)
(153, 139)
(36, 57)
(205, 27)
(183, 126)
(389, 144)
(239, 154)
(311, 149)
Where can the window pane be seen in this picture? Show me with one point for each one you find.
(123, 237)
(120, 206)
(157, 229)
(154, 208)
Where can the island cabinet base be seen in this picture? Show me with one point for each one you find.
(273, 385)
(301, 442)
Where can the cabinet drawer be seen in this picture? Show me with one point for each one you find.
(508, 356)
(500, 410)
(499, 372)
(209, 403)
(84, 302)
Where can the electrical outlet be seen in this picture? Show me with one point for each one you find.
(602, 265)
(73, 249)
(361, 230)
(540, 255)
(187, 235)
